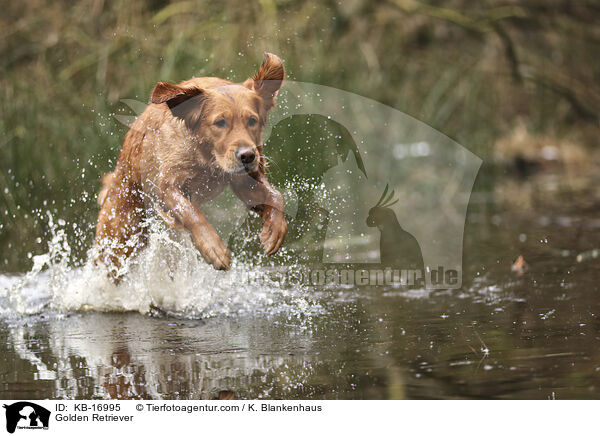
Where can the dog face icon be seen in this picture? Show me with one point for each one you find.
(27, 414)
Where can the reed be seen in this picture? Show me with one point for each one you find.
(469, 72)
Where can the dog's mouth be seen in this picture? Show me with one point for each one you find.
(232, 165)
(245, 169)
(239, 168)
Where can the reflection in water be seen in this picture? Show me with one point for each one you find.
(133, 356)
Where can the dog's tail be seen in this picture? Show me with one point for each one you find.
(107, 180)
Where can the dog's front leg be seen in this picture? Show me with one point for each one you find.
(204, 235)
(258, 194)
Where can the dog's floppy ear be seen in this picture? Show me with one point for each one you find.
(268, 80)
(185, 102)
(173, 95)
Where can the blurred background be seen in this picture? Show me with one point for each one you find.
(516, 82)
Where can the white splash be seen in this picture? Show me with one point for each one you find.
(167, 275)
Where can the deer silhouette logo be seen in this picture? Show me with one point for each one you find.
(397, 247)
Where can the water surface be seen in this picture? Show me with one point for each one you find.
(502, 335)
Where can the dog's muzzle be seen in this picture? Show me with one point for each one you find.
(245, 155)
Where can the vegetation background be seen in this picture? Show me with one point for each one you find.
(485, 73)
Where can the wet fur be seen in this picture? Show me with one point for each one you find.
(175, 157)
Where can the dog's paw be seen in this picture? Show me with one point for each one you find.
(273, 232)
(214, 251)
(220, 259)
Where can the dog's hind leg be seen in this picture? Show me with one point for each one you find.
(107, 182)
(119, 231)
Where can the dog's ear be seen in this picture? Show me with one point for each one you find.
(268, 80)
(173, 95)
(186, 103)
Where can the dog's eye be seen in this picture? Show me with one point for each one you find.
(252, 122)
(221, 123)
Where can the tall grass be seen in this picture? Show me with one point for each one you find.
(469, 71)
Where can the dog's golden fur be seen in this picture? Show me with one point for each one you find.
(193, 140)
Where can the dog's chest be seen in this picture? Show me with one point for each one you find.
(206, 186)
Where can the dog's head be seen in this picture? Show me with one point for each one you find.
(227, 118)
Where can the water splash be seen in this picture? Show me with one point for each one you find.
(167, 276)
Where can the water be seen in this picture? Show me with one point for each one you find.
(69, 333)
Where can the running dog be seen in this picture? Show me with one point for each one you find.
(193, 140)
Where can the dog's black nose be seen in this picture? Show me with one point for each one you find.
(246, 155)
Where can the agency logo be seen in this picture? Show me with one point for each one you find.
(26, 415)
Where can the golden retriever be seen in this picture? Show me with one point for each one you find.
(194, 139)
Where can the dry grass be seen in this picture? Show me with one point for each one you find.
(469, 71)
